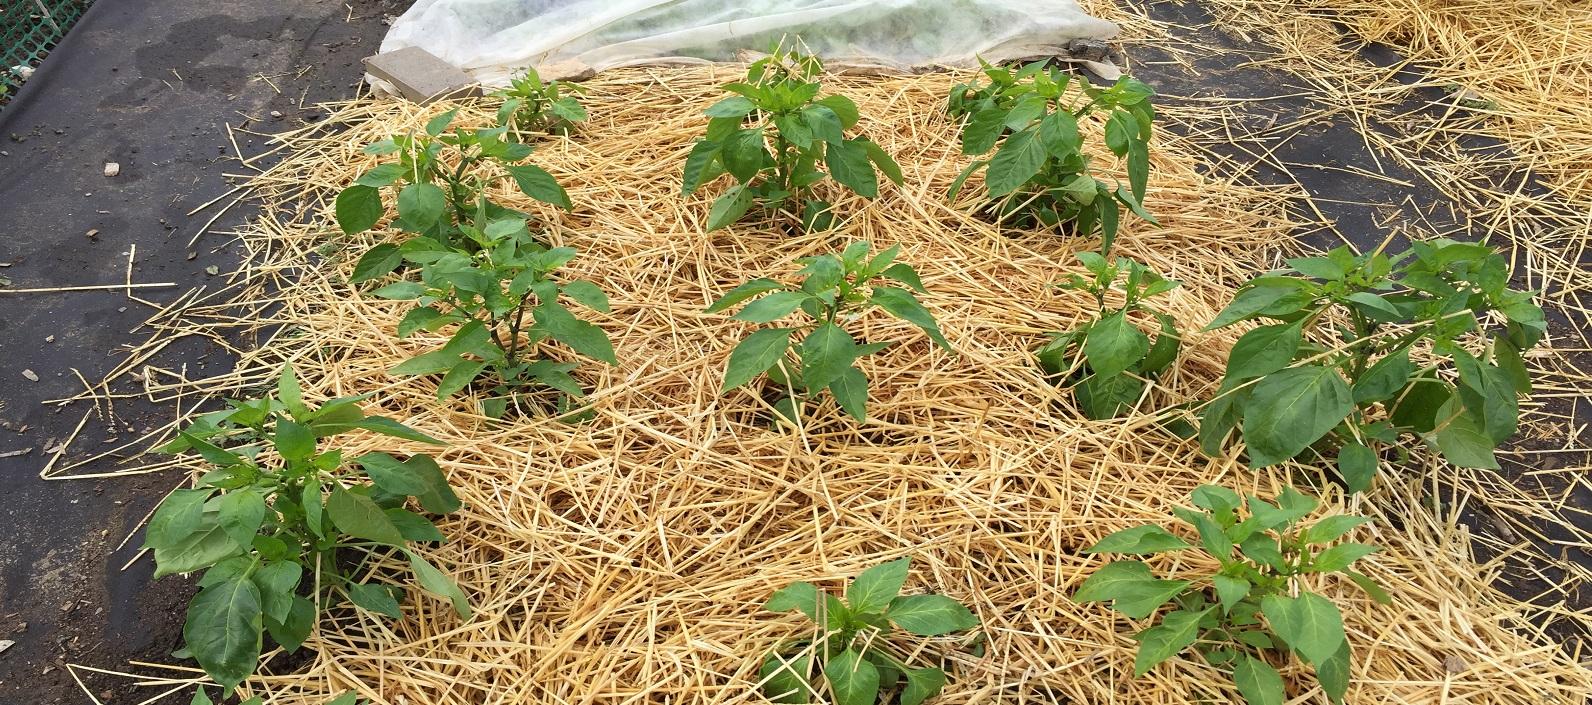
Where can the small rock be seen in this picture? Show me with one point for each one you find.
(30, 375)
(49, 338)
(276, 114)
(1454, 664)
(92, 234)
(1088, 49)
(112, 168)
(212, 270)
(6, 644)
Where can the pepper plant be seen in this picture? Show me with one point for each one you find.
(441, 180)
(778, 107)
(531, 105)
(1254, 609)
(1403, 328)
(851, 662)
(501, 296)
(835, 290)
(1040, 174)
(279, 524)
(1106, 361)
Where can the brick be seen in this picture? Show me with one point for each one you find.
(420, 76)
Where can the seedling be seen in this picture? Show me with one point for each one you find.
(1106, 361)
(441, 181)
(1287, 394)
(278, 524)
(778, 106)
(502, 299)
(531, 105)
(1254, 605)
(834, 291)
(1040, 174)
(850, 661)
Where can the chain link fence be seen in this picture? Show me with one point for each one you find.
(29, 29)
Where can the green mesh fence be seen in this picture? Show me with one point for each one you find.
(29, 29)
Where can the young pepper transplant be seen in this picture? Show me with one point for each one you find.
(1287, 394)
(531, 105)
(853, 658)
(780, 99)
(1040, 174)
(834, 290)
(1254, 605)
(272, 529)
(1107, 360)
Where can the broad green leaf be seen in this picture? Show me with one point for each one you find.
(1018, 160)
(459, 376)
(1463, 442)
(903, 305)
(1310, 624)
(1418, 406)
(982, 130)
(358, 516)
(1114, 344)
(1383, 379)
(291, 632)
(730, 206)
(420, 206)
(795, 596)
(1058, 132)
(733, 107)
(930, 615)
(826, 353)
(437, 124)
(1333, 674)
(1341, 556)
(1139, 540)
(1263, 351)
(1370, 587)
(851, 392)
(874, 588)
(744, 154)
(357, 209)
(377, 262)
(849, 164)
(199, 697)
(294, 441)
(588, 294)
(392, 475)
(1270, 294)
(1229, 590)
(535, 182)
(240, 514)
(698, 165)
(882, 160)
(772, 307)
(905, 274)
(1357, 466)
(922, 684)
(785, 682)
(843, 108)
(440, 499)
(176, 518)
(754, 355)
(223, 629)
(1257, 681)
(823, 124)
(277, 583)
(400, 291)
(744, 292)
(1489, 396)
(1375, 307)
(852, 679)
(586, 338)
(1291, 409)
(1332, 528)
(436, 583)
(375, 598)
(388, 427)
(200, 548)
(348, 697)
(414, 527)
(1175, 633)
(1135, 592)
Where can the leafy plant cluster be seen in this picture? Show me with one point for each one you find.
(531, 105)
(279, 524)
(1254, 609)
(834, 291)
(1040, 173)
(1107, 359)
(1287, 395)
(772, 135)
(850, 661)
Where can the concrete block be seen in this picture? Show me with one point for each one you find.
(420, 76)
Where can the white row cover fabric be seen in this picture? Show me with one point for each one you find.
(494, 39)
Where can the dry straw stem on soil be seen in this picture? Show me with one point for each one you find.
(625, 559)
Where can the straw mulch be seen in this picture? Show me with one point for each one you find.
(624, 560)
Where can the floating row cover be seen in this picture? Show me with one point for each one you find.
(494, 39)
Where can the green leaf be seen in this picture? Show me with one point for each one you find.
(290, 633)
(930, 615)
(730, 206)
(437, 124)
(982, 130)
(882, 159)
(1175, 633)
(459, 376)
(375, 598)
(1384, 378)
(277, 583)
(436, 583)
(754, 355)
(414, 527)
(851, 392)
(785, 682)
(1257, 681)
(1129, 584)
(1114, 345)
(1018, 160)
(400, 291)
(698, 165)
(1341, 556)
(843, 109)
(823, 123)
(1139, 540)
(440, 498)
(1291, 409)
(223, 629)
(1489, 396)
(1418, 407)
(922, 684)
(200, 548)
(1229, 590)
(1357, 466)
(1269, 294)
(240, 514)
(744, 292)
(1333, 674)
(535, 182)
(849, 164)
(357, 209)
(1374, 307)
(585, 338)
(348, 697)
(744, 154)
(1370, 587)
(1263, 351)
(732, 107)
(772, 307)
(358, 516)
(826, 353)
(905, 274)
(588, 294)
(393, 476)
(1332, 528)
(199, 697)
(903, 305)
(420, 206)
(294, 441)
(1463, 442)
(377, 262)
(873, 590)
(795, 596)
(1310, 624)
(1058, 132)
(389, 427)
(852, 680)
(176, 518)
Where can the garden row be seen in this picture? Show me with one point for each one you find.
(1358, 354)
